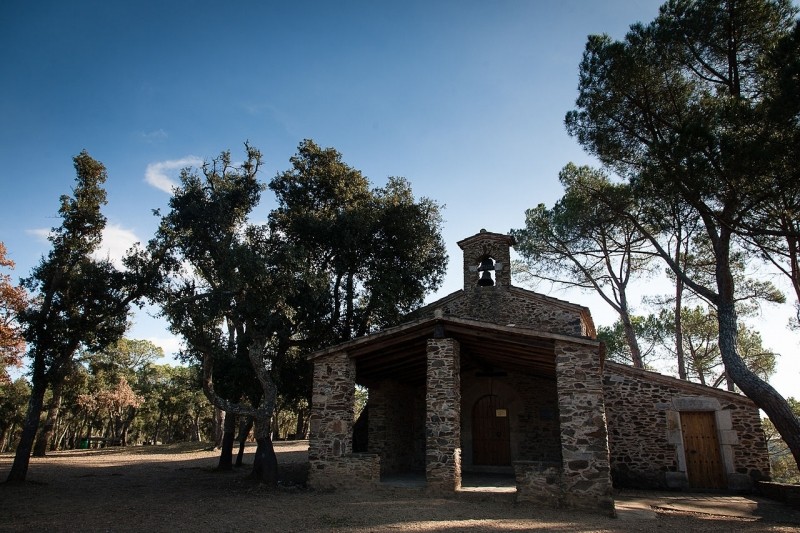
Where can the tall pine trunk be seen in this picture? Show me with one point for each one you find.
(19, 470)
(755, 388)
(45, 435)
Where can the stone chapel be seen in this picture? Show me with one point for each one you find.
(498, 379)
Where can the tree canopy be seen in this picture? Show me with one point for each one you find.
(336, 260)
(697, 113)
(77, 301)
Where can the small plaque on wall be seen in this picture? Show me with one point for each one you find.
(500, 413)
(546, 413)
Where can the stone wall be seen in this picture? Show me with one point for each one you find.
(646, 442)
(397, 426)
(540, 435)
(443, 416)
(539, 482)
(532, 405)
(514, 306)
(586, 472)
(331, 428)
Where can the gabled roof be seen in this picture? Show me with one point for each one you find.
(581, 310)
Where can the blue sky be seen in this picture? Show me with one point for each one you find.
(464, 98)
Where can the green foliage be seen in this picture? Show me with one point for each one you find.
(76, 300)
(784, 469)
(580, 242)
(225, 295)
(369, 256)
(336, 260)
(697, 114)
(651, 336)
(13, 400)
(80, 300)
(700, 339)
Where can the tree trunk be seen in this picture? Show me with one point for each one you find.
(300, 430)
(630, 336)
(126, 426)
(45, 435)
(761, 392)
(245, 425)
(196, 428)
(265, 463)
(219, 424)
(158, 427)
(679, 329)
(228, 435)
(19, 470)
(758, 390)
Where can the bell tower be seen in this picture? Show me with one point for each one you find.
(487, 261)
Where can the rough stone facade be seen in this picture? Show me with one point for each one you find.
(486, 245)
(443, 416)
(646, 443)
(502, 303)
(518, 307)
(532, 404)
(586, 471)
(573, 420)
(397, 426)
(539, 482)
(332, 463)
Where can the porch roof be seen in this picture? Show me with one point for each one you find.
(400, 352)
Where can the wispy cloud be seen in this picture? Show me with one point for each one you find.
(41, 234)
(170, 345)
(116, 241)
(153, 136)
(160, 174)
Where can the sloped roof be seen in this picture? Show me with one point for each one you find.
(400, 352)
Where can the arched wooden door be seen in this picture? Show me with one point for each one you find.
(491, 443)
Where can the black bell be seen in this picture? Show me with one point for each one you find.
(486, 278)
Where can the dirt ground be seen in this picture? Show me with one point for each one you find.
(176, 488)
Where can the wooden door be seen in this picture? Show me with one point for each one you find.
(701, 447)
(491, 443)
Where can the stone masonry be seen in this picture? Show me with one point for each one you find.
(397, 426)
(586, 472)
(443, 400)
(575, 421)
(646, 442)
(332, 463)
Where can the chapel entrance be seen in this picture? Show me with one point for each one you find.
(491, 442)
(701, 447)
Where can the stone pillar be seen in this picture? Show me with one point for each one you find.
(332, 413)
(586, 478)
(443, 418)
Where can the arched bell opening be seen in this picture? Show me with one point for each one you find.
(486, 272)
